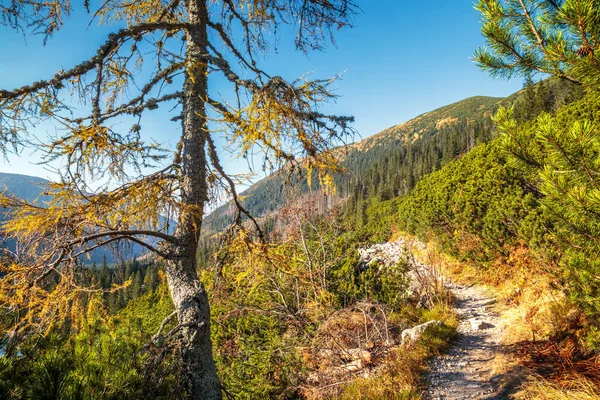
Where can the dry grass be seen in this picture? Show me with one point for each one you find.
(397, 380)
(356, 326)
(558, 371)
(539, 388)
(531, 307)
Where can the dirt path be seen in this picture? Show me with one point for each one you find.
(466, 372)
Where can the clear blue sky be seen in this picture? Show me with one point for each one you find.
(402, 58)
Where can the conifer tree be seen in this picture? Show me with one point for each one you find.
(179, 47)
(560, 38)
(555, 37)
(151, 279)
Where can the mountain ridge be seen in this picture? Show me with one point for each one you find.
(417, 147)
(441, 113)
(357, 156)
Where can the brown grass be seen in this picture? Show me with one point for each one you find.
(540, 388)
(397, 380)
(557, 374)
(561, 363)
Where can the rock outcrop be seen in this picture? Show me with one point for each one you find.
(412, 335)
(384, 254)
(421, 279)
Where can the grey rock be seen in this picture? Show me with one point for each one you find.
(412, 335)
(479, 325)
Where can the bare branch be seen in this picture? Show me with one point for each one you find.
(115, 40)
(217, 164)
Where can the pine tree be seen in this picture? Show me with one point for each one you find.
(136, 288)
(555, 37)
(560, 38)
(105, 277)
(151, 279)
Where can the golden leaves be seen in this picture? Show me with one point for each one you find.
(40, 304)
(69, 224)
(282, 278)
(280, 120)
(136, 12)
(117, 78)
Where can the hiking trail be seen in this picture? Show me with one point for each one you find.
(467, 370)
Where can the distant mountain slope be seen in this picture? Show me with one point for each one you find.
(268, 194)
(393, 161)
(23, 186)
(471, 109)
(31, 188)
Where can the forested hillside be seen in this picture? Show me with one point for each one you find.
(493, 199)
(386, 164)
(391, 162)
(26, 187)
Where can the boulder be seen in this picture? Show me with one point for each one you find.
(412, 335)
(353, 366)
(358, 354)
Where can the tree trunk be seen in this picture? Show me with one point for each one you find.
(188, 294)
(193, 312)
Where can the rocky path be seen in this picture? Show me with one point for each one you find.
(466, 372)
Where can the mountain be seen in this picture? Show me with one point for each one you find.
(391, 162)
(31, 188)
(23, 186)
(471, 109)
(387, 164)
(441, 135)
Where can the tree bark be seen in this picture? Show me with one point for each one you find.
(188, 294)
(193, 312)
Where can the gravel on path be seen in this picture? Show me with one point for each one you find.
(466, 371)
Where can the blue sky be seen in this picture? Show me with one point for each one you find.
(402, 58)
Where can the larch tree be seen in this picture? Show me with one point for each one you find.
(177, 47)
(560, 38)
